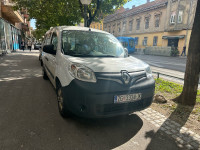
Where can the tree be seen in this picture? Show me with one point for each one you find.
(50, 13)
(192, 73)
(98, 9)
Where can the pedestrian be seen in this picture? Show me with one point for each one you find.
(22, 45)
(183, 52)
(29, 45)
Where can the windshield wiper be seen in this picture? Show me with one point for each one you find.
(82, 55)
(88, 55)
(105, 56)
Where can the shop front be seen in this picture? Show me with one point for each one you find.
(2, 37)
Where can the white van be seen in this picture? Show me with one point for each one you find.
(93, 74)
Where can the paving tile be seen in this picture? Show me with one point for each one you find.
(172, 126)
(179, 140)
(163, 129)
(174, 131)
(196, 145)
(177, 124)
(168, 132)
(184, 128)
(191, 133)
(157, 125)
(167, 127)
(188, 146)
(174, 136)
(197, 136)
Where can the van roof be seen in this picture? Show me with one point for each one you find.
(76, 28)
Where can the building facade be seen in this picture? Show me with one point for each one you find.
(14, 27)
(97, 25)
(161, 23)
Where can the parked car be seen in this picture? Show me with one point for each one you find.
(93, 74)
(37, 46)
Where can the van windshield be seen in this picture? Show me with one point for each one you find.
(91, 44)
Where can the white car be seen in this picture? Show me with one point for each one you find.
(93, 74)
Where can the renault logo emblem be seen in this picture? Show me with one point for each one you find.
(126, 77)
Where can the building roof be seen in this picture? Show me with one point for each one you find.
(135, 10)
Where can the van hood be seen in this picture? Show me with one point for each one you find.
(129, 64)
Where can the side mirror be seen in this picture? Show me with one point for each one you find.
(49, 49)
(126, 51)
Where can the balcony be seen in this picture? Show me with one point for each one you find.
(9, 14)
(25, 27)
(26, 16)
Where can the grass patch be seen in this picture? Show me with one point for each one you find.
(170, 89)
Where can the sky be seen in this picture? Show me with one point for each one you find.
(33, 23)
(135, 2)
(127, 5)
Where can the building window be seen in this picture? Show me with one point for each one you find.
(136, 40)
(109, 29)
(124, 26)
(100, 26)
(173, 16)
(145, 41)
(180, 16)
(146, 23)
(113, 32)
(130, 25)
(119, 30)
(155, 41)
(157, 21)
(97, 26)
(138, 24)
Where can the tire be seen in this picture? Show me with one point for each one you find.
(61, 107)
(45, 77)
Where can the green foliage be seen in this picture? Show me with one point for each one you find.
(174, 51)
(171, 88)
(51, 13)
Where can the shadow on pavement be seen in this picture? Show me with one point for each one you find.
(179, 135)
(106, 133)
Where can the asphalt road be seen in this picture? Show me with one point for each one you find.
(171, 63)
(29, 117)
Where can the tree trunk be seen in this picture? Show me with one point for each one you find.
(189, 93)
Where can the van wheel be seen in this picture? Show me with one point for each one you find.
(61, 107)
(45, 77)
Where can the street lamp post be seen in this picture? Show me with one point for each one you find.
(85, 3)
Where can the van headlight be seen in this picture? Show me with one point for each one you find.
(82, 73)
(148, 72)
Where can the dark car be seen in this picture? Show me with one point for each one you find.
(37, 46)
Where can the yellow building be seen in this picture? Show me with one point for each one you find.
(160, 23)
(97, 25)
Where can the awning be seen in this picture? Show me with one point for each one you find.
(11, 15)
(173, 37)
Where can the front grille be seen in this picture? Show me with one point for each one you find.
(117, 77)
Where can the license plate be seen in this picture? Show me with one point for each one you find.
(127, 98)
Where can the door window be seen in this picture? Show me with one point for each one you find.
(54, 41)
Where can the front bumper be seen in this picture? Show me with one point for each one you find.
(96, 100)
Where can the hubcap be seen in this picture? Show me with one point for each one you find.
(60, 99)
